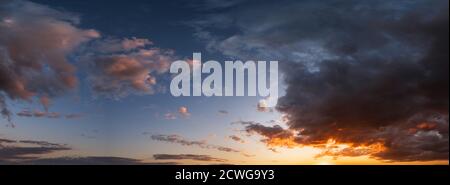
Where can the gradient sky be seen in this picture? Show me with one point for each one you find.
(363, 82)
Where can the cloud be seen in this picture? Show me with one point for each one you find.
(32, 152)
(187, 157)
(170, 116)
(73, 116)
(223, 112)
(4, 111)
(114, 45)
(45, 101)
(89, 160)
(182, 141)
(38, 114)
(362, 77)
(42, 114)
(236, 138)
(272, 135)
(273, 150)
(35, 41)
(120, 67)
(41, 143)
(378, 97)
(2, 140)
(184, 111)
(262, 106)
(27, 149)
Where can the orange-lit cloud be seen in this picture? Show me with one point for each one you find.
(184, 111)
(35, 41)
(126, 67)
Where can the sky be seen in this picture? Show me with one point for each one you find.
(88, 82)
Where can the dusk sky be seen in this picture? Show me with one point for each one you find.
(360, 82)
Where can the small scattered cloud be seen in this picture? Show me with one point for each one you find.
(170, 116)
(236, 138)
(184, 111)
(73, 116)
(248, 155)
(262, 106)
(45, 101)
(223, 112)
(273, 150)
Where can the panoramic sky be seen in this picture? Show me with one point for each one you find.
(88, 82)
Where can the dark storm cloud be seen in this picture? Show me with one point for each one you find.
(187, 157)
(369, 98)
(358, 72)
(180, 140)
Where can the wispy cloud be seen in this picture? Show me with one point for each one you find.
(32, 152)
(183, 110)
(223, 112)
(42, 114)
(11, 150)
(236, 138)
(187, 157)
(185, 142)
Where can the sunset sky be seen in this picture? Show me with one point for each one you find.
(87, 82)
